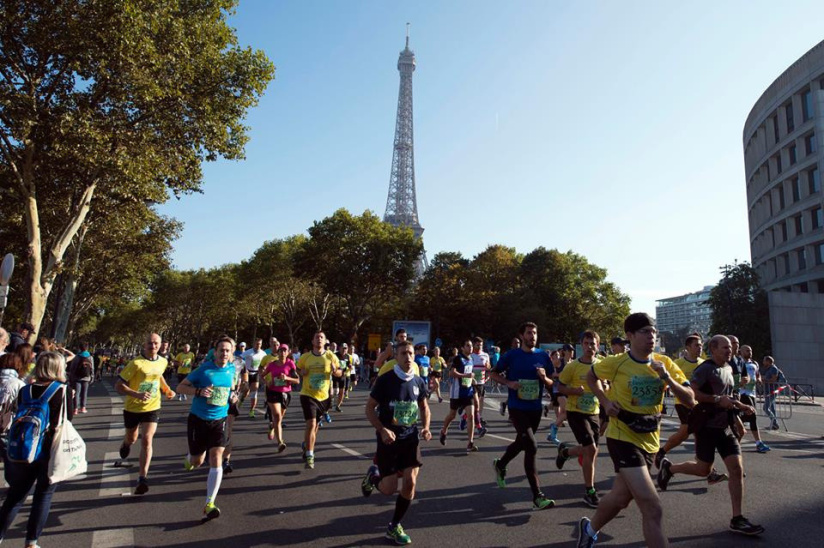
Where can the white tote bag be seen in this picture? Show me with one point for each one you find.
(68, 451)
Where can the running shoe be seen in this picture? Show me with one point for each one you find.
(188, 465)
(227, 467)
(83, 410)
(592, 499)
(442, 439)
(664, 474)
(502, 408)
(472, 448)
(742, 525)
(500, 473)
(552, 437)
(310, 462)
(542, 503)
(397, 535)
(124, 451)
(252, 414)
(561, 459)
(462, 426)
(366, 485)
(658, 457)
(210, 512)
(281, 447)
(440, 400)
(584, 540)
(716, 477)
(303, 450)
(327, 418)
(142, 487)
(337, 408)
(480, 431)
(762, 447)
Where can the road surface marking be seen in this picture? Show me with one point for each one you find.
(110, 477)
(113, 538)
(348, 451)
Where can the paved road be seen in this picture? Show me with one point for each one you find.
(271, 500)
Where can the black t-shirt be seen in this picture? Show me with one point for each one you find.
(737, 364)
(398, 403)
(718, 381)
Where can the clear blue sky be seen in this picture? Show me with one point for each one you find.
(609, 128)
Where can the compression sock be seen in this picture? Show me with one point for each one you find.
(401, 506)
(213, 483)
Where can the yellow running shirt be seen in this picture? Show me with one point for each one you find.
(185, 359)
(638, 389)
(315, 372)
(437, 364)
(574, 375)
(143, 375)
(390, 365)
(687, 367)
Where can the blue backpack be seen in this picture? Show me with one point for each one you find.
(30, 424)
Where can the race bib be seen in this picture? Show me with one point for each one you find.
(319, 381)
(424, 371)
(466, 382)
(528, 390)
(406, 413)
(149, 386)
(278, 382)
(587, 403)
(646, 390)
(220, 396)
(479, 376)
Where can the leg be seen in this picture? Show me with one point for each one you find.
(676, 439)
(448, 419)
(613, 502)
(227, 451)
(40, 505)
(215, 474)
(640, 486)
(128, 441)
(147, 431)
(470, 422)
(693, 468)
(310, 434)
(736, 473)
(253, 391)
(20, 478)
(277, 420)
(590, 452)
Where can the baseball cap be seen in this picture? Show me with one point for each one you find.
(617, 340)
(283, 347)
(242, 344)
(568, 347)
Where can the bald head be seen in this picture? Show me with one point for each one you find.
(746, 352)
(152, 346)
(720, 349)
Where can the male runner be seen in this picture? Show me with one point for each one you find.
(253, 357)
(423, 363)
(617, 346)
(355, 363)
(165, 353)
(637, 379)
(211, 384)
(555, 396)
(480, 367)
(713, 384)
(315, 368)
(523, 371)
(749, 378)
(184, 361)
(385, 366)
(396, 403)
(141, 381)
(340, 384)
(582, 414)
(461, 394)
(438, 364)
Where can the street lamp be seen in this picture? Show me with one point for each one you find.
(5, 275)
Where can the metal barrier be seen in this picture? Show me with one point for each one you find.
(803, 391)
(775, 402)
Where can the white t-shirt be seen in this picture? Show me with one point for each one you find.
(480, 365)
(253, 359)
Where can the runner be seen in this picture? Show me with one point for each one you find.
(714, 385)
(315, 367)
(240, 386)
(480, 367)
(340, 384)
(523, 371)
(436, 374)
(555, 396)
(141, 381)
(389, 352)
(253, 357)
(212, 385)
(279, 374)
(166, 354)
(750, 377)
(461, 394)
(618, 345)
(423, 363)
(394, 407)
(355, 362)
(582, 413)
(634, 404)
(184, 361)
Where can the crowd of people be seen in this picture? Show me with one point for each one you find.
(618, 396)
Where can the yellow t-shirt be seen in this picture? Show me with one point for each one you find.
(143, 375)
(185, 359)
(437, 364)
(636, 388)
(687, 367)
(315, 371)
(390, 365)
(574, 375)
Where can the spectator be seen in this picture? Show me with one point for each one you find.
(81, 374)
(21, 336)
(21, 477)
(769, 376)
(10, 385)
(4, 340)
(26, 353)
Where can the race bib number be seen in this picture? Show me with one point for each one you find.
(424, 371)
(479, 376)
(587, 403)
(149, 386)
(466, 382)
(219, 396)
(278, 382)
(528, 390)
(646, 390)
(406, 413)
(319, 381)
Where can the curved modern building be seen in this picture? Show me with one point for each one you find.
(783, 159)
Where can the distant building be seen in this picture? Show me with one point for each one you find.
(691, 311)
(783, 161)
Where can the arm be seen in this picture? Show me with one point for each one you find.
(383, 356)
(425, 417)
(164, 387)
(186, 387)
(124, 390)
(612, 408)
(387, 436)
(500, 379)
(570, 390)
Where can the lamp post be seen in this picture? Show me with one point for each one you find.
(5, 275)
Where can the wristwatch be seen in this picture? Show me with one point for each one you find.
(716, 399)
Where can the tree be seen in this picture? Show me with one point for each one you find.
(360, 259)
(123, 98)
(739, 307)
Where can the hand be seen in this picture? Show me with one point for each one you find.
(170, 394)
(144, 396)
(612, 408)
(748, 409)
(388, 436)
(726, 403)
(426, 434)
(206, 392)
(233, 398)
(282, 376)
(581, 391)
(513, 385)
(659, 368)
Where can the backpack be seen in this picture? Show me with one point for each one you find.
(86, 368)
(30, 424)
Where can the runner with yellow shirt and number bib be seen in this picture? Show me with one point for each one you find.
(582, 414)
(184, 361)
(141, 381)
(637, 379)
(315, 368)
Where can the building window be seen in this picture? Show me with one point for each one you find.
(802, 258)
(817, 216)
(781, 204)
(793, 155)
(810, 146)
(782, 227)
(788, 111)
(795, 184)
(807, 105)
(778, 167)
(785, 263)
(799, 225)
(814, 180)
(802, 287)
(769, 204)
(819, 256)
(775, 128)
(820, 286)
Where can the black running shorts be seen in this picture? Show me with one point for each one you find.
(710, 440)
(458, 403)
(204, 435)
(627, 455)
(683, 413)
(312, 408)
(283, 398)
(398, 455)
(132, 420)
(584, 427)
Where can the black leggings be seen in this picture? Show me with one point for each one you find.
(749, 400)
(526, 424)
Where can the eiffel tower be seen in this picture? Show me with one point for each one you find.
(401, 204)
